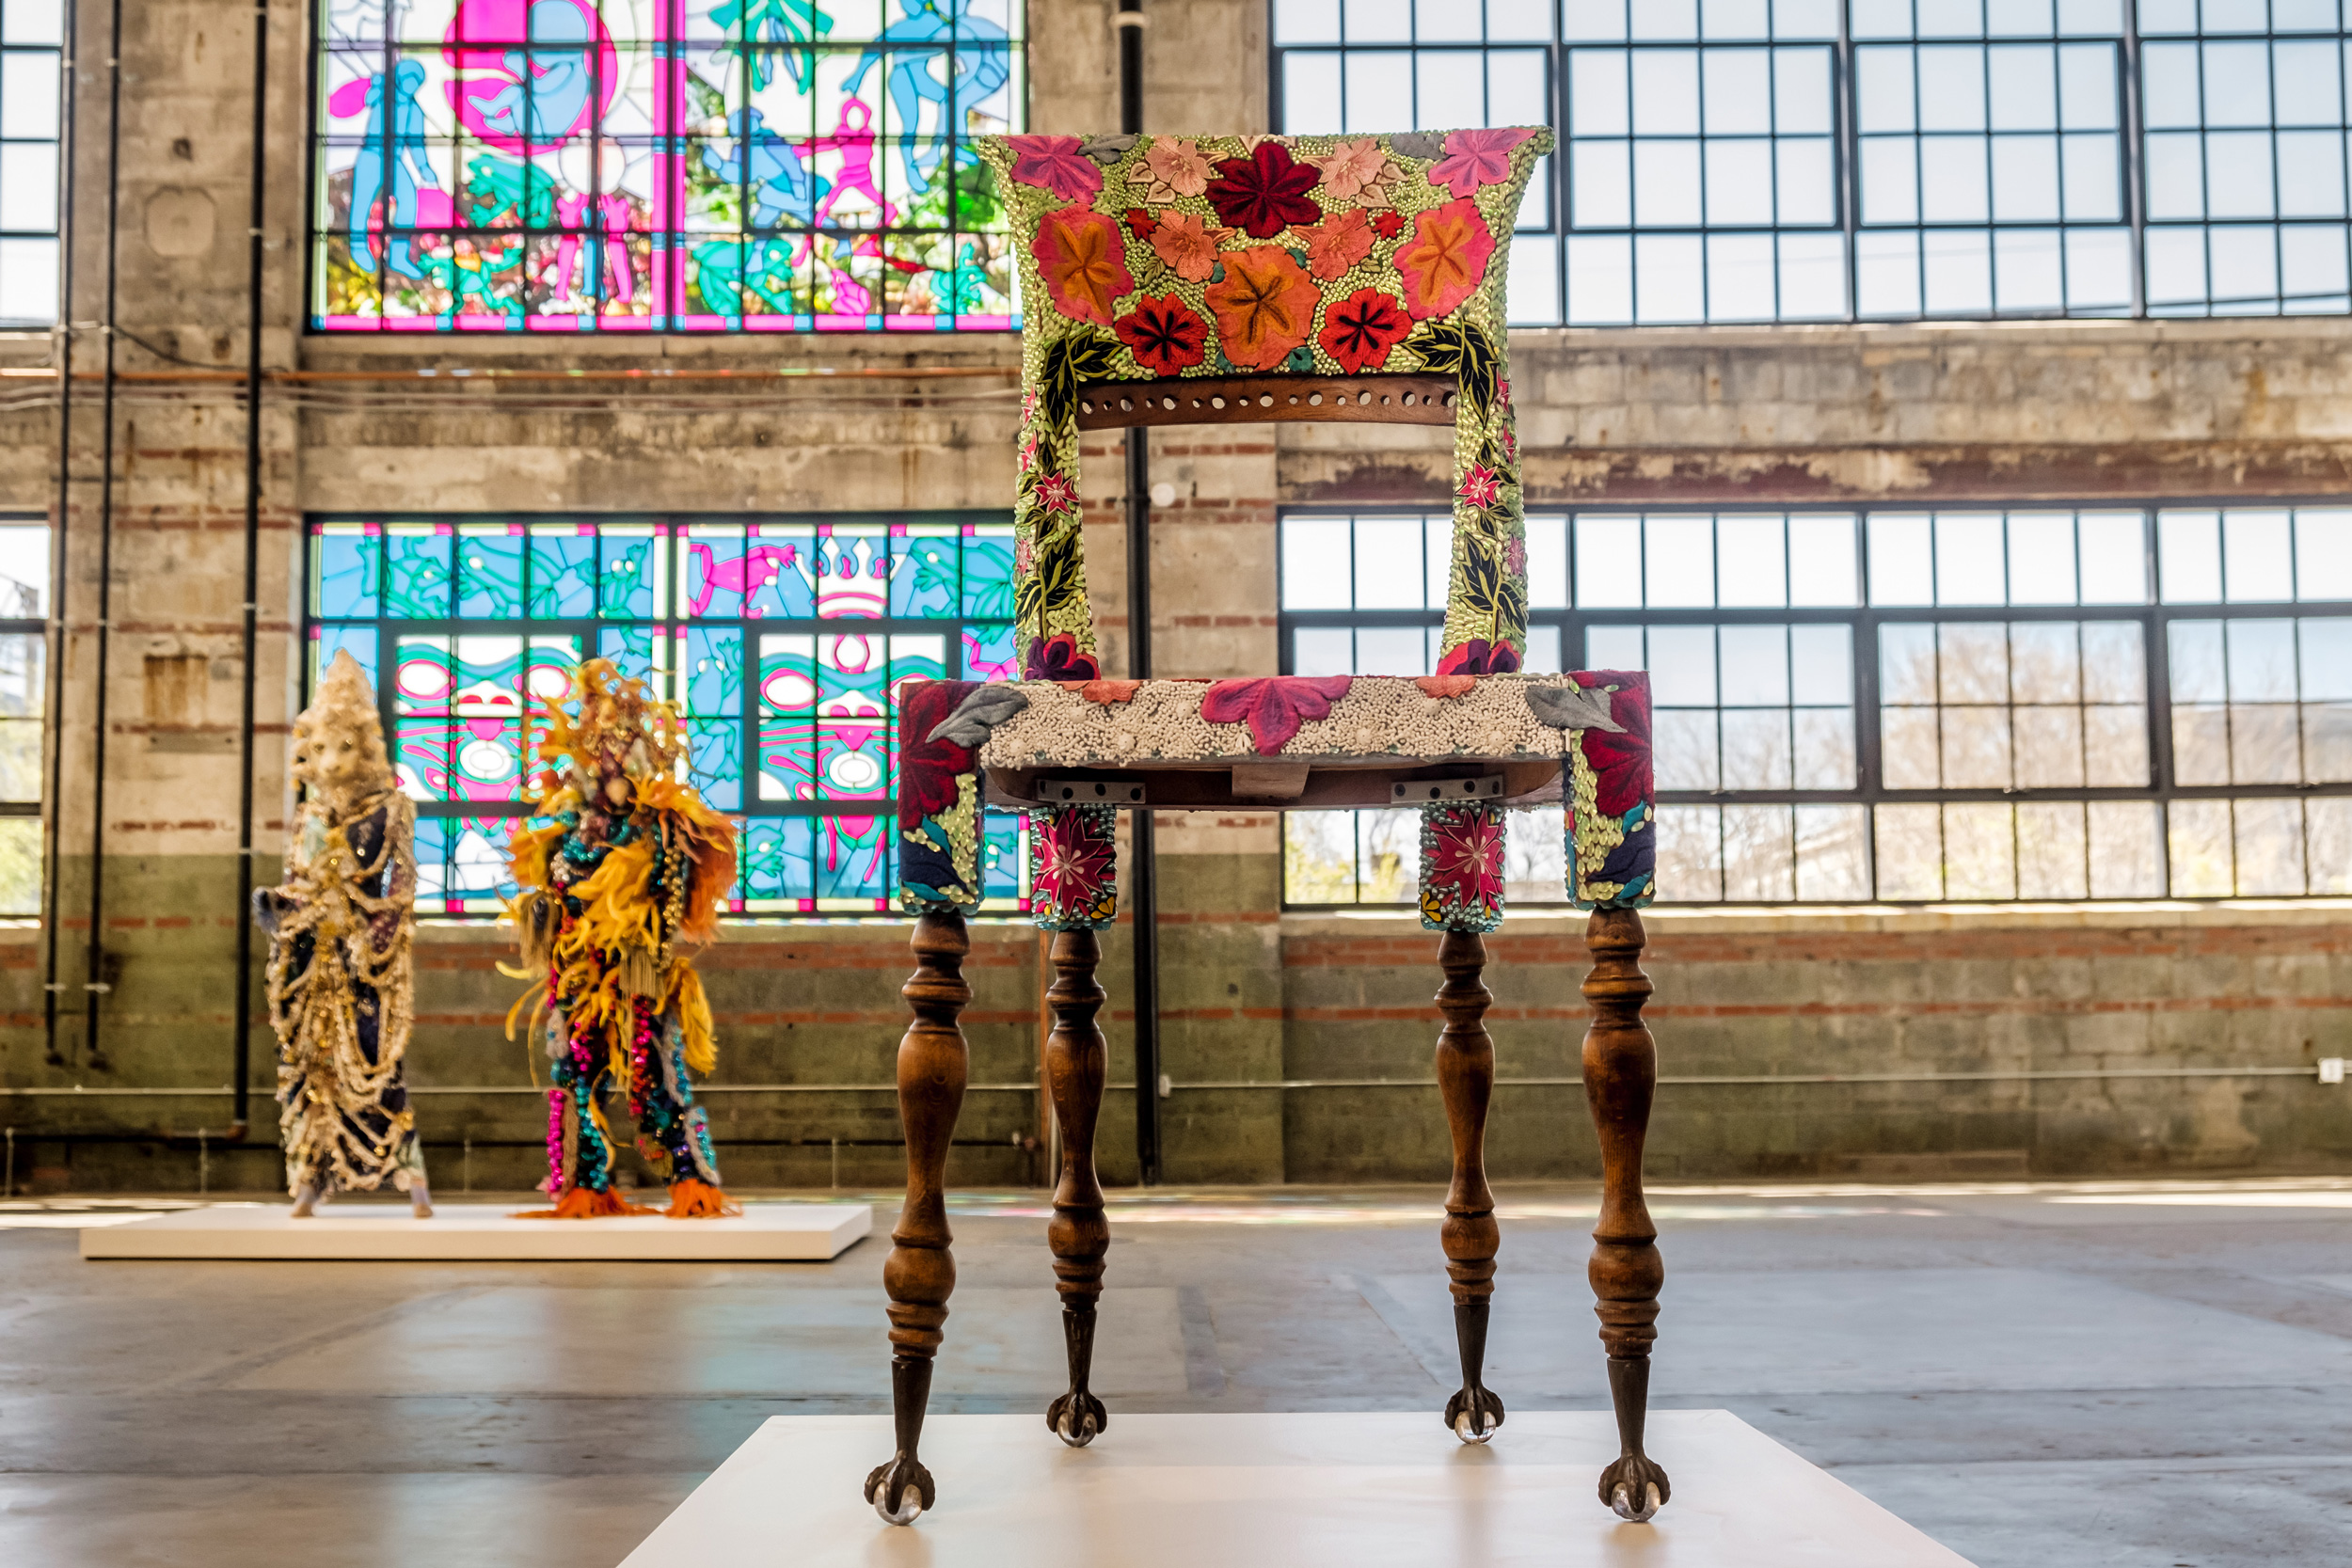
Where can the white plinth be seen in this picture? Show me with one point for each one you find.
(1349, 1491)
(481, 1232)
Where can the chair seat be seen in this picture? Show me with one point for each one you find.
(1330, 743)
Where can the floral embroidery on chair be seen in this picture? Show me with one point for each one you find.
(1074, 867)
(1274, 707)
(1461, 866)
(1155, 258)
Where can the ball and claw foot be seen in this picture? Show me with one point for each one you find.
(899, 1490)
(1474, 1413)
(1077, 1418)
(1635, 1488)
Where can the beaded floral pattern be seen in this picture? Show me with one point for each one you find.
(1150, 257)
(1074, 867)
(1613, 816)
(1461, 866)
(939, 806)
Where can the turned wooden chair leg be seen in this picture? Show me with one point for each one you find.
(1466, 1079)
(921, 1273)
(1075, 1063)
(1620, 1077)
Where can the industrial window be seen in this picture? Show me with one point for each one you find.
(684, 165)
(1835, 160)
(784, 640)
(24, 705)
(31, 32)
(2053, 702)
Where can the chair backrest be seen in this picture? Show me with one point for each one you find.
(1215, 279)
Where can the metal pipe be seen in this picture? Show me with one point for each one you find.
(240, 1049)
(52, 797)
(93, 985)
(1143, 881)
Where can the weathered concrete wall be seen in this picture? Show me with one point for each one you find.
(2077, 410)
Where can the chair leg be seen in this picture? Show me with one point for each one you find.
(921, 1272)
(1075, 1063)
(1466, 1078)
(1620, 1077)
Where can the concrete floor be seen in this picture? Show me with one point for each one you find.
(2152, 1375)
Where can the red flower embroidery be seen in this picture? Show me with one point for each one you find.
(1166, 333)
(927, 768)
(1446, 258)
(1055, 493)
(1055, 163)
(1139, 223)
(1265, 193)
(1025, 456)
(1073, 869)
(1481, 486)
(1390, 223)
(1275, 708)
(1620, 762)
(1083, 263)
(1058, 659)
(1359, 330)
(1475, 158)
(1468, 858)
(1479, 657)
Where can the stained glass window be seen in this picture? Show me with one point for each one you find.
(696, 166)
(784, 642)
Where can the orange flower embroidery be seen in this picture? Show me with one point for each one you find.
(1265, 307)
(1083, 261)
(1445, 261)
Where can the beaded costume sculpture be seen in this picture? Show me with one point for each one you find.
(1237, 280)
(622, 866)
(342, 980)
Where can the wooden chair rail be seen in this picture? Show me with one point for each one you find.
(1263, 399)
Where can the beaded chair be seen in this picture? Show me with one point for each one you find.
(1230, 280)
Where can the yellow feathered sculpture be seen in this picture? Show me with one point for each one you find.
(627, 868)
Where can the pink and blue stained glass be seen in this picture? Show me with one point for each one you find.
(668, 166)
(786, 644)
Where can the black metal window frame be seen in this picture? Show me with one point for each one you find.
(49, 55)
(1847, 138)
(2154, 619)
(37, 629)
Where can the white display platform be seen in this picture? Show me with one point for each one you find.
(481, 1232)
(1349, 1491)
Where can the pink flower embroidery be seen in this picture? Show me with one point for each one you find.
(1481, 486)
(1176, 168)
(1445, 686)
(1475, 158)
(1337, 243)
(1055, 493)
(1359, 171)
(1055, 163)
(1274, 707)
(1186, 245)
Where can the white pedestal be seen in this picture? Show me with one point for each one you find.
(480, 1232)
(1348, 1490)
